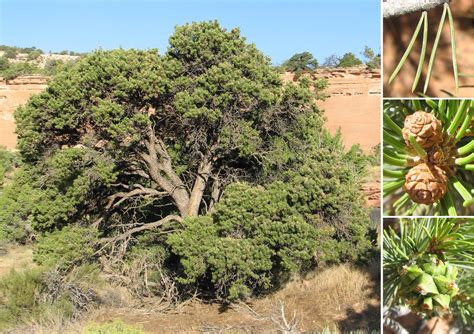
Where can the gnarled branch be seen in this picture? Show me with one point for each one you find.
(144, 227)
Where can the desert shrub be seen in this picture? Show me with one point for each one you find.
(46, 296)
(67, 247)
(10, 53)
(16, 202)
(8, 161)
(114, 327)
(18, 69)
(348, 60)
(372, 60)
(4, 63)
(33, 55)
(53, 66)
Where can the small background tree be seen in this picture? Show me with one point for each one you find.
(349, 60)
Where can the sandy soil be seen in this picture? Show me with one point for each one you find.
(397, 35)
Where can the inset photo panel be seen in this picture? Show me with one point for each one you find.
(428, 275)
(428, 157)
(428, 48)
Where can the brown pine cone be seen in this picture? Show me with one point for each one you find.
(426, 183)
(425, 127)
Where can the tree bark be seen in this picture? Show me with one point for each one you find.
(401, 7)
(159, 162)
(199, 187)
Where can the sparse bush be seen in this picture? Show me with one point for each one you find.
(46, 296)
(10, 54)
(34, 55)
(114, 327)
(331, 61)
(68, 247)
(18, 69)
(372, 60)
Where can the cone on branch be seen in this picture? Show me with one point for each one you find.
(433, 287)
(424, 127)
(426, 183)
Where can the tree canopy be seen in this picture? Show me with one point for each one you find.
(348, 60)
(303, 61)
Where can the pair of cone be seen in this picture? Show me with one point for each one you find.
(428, 285)
(426, 182)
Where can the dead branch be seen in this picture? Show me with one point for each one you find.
(138, 191)
(148, 226)
(277, 317)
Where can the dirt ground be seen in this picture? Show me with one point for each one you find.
(343, 298)
(397, 34)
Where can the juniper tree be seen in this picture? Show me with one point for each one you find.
(140, 146)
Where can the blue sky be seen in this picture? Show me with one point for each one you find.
(279, 28)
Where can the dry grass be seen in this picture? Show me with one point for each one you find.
(341, 298)
(15, 258)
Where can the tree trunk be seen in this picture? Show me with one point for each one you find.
(199, 187)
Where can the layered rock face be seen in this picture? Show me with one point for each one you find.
(13, 94)
(353, 105)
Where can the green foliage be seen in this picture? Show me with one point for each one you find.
(301, 62)
(8, 161)
(71, 246)
(19, 68)
(34, 55)
(53, 66)
(252, 235)
(4, 63)
(372, 60)
(10, 54)
(257, 236)
(348, 60)
(53, 193)
(16, 50)
(114, 327)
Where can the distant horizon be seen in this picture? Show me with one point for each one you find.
(285, 27)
